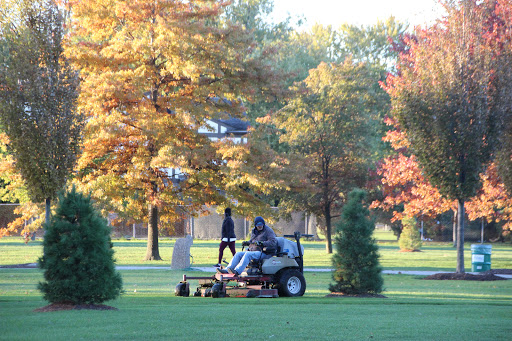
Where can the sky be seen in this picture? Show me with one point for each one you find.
(359, 12)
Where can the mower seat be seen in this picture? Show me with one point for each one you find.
(280, 252)
(288, 248)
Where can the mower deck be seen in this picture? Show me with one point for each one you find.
(243, 289)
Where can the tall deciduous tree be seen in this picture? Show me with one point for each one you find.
(154, 73)
(371, 44)
(451, 95)
(504, 158)
(255, 16)
(327, 122)
(406, 191)
(492, 202)
(38, 92)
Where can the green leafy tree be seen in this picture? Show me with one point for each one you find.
(452, 95)
(254, 16)
(38, 92)
(410, 239)
(327, 122)
(504, 157)
(302, 51)
(305, 50)
(77, 260)
(356, 261)
(371, 44)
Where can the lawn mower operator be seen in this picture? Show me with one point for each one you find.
(261, 236)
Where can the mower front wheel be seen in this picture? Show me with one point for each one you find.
(218, 290)
(182, 289)
(291, 283)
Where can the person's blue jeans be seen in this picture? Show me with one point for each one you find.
(242, 259)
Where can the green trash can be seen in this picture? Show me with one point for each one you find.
(480, 257)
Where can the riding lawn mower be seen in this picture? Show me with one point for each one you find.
(280, 275)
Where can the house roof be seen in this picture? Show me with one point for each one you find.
(234, 125)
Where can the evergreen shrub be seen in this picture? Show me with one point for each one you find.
(356, 261)
(410, 239)
(77, 260)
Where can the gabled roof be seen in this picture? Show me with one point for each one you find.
(234, 125)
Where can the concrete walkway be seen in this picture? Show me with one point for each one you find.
(212, 270)
(386, 272)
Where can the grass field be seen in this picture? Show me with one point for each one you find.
(433, 257)
(415, 309)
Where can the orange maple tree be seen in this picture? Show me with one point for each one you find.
(404, 184)
(451, 93)
(154, 73)
(492, 202)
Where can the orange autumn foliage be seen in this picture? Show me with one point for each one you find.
(404, 183)
(154, 73)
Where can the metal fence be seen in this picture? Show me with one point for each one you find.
(209, 227)
(204, 227)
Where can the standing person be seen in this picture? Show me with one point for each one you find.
(261, 236)
(228, 235)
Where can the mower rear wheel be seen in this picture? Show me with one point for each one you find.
(291, 283)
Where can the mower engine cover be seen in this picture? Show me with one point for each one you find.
(272, 265)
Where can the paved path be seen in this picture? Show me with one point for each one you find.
(212, 269)
(388, 272)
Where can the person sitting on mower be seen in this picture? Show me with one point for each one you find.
(262, 236)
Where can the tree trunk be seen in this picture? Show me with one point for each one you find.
(48, 208)
(328, 230)
(454, 226)
(482, 231)
(152, 252)
(460, 236)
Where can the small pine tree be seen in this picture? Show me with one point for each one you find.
(356, 261)
(77, 257)
(410, 239)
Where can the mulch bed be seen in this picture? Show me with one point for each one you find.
(465, 277)
(489, 275)
(71, 306)
(340, 294)
(499, 272)
(484, 276)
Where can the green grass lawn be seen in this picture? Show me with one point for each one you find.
(433, 256)
(415, 309)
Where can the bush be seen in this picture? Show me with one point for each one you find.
(356, 261)
(77, 257)
(410, 239)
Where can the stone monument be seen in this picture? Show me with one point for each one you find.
(181, 253)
